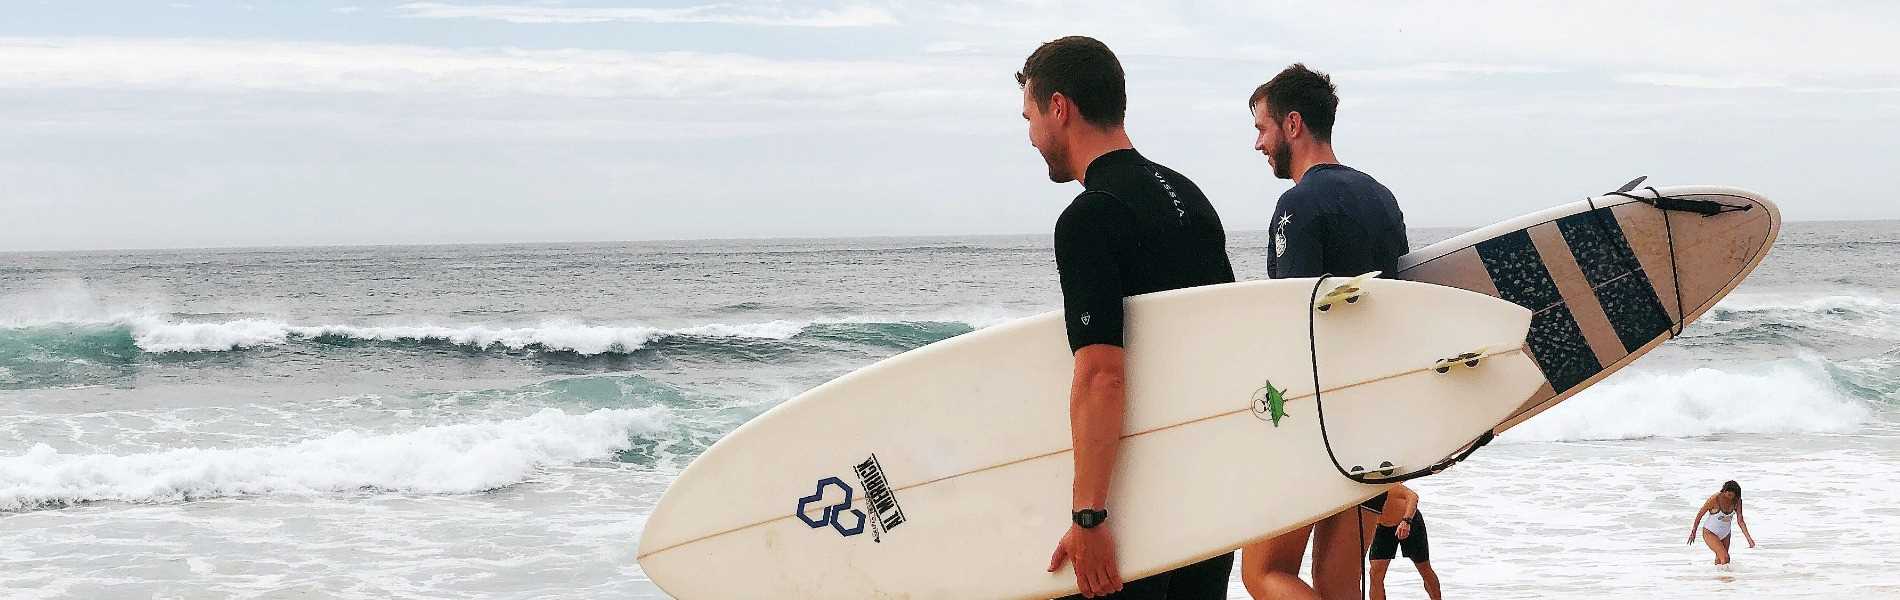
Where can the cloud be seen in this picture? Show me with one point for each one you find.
(727, 14)
(1746, 81)
(265, 66)
(1437, 71)
(1706, 82)
(1774, 39)
(948, 48)
(188, 88)
(1532, 101)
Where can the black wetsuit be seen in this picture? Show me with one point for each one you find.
(1336, 220)
(1136, 228)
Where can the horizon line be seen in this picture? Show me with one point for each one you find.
(240, 247)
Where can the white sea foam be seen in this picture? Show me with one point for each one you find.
(1859, 314)
(555, 335)
(72, 304)
(1820, 304)
(157, 334)
(1796, 396)
(445, 459)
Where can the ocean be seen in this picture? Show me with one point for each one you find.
(496, 421)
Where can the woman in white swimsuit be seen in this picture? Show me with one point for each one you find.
(1724, 509)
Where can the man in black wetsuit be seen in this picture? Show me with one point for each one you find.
(1137, 227)
(1335, 220)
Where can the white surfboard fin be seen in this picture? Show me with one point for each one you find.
(1469, 360)
(1348, 293)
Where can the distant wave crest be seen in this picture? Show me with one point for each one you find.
(445, 459)
(1804, 395)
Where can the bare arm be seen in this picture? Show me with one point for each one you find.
(1097, 403)
(1697, 522)
(1743, 523)
(1096, 399)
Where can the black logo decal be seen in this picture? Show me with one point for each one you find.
(885, 513)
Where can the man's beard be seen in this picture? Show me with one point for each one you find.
(1058, 160)
(1282, 160)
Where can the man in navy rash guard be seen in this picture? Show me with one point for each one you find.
(1335, 220)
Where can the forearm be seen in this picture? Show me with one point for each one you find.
(1096, 409)
(1696, 522)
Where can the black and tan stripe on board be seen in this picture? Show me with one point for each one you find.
(1601, 282)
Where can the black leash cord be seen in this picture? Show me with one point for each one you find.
(1319, 405)
(1668, 204)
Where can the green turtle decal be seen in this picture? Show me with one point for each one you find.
(1270, 401)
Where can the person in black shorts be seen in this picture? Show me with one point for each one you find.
(1335, 220)
(1137, 227)
(1401, 527)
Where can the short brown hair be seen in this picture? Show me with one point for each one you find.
(1083, 70)
(1301, 90)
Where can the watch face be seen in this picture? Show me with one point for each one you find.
(1090, 518)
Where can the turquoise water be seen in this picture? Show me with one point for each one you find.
(495, 421)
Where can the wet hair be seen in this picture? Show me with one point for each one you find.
(1083, 70)
(1300, 90)
(1731, 486)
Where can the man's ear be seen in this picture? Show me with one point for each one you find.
(1295, 125)
(1060, 109)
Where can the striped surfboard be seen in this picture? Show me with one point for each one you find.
(1608, 278)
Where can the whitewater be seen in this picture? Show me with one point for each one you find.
(496, 421)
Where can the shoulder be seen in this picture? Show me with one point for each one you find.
(1303, 195)
(1090, 206)
(1093, 215)
(1172, 176)
(1321, 187)
(1340, 177)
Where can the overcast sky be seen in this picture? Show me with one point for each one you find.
(210, 123)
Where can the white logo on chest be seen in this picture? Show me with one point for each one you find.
(1279, 236)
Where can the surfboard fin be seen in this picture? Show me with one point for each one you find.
(1386, 469)
(1469, 360)
(1631, 185)
(1349, 293)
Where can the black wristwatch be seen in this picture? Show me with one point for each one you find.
(1088, 519)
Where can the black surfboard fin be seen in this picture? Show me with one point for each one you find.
(1631, 185)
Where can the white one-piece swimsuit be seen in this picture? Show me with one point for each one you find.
(1718, 523)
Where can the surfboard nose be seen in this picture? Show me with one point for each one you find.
(1693, 259)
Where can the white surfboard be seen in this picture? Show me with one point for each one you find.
(945, 472)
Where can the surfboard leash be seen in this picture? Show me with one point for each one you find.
(1319, 406)
(1666, 204)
